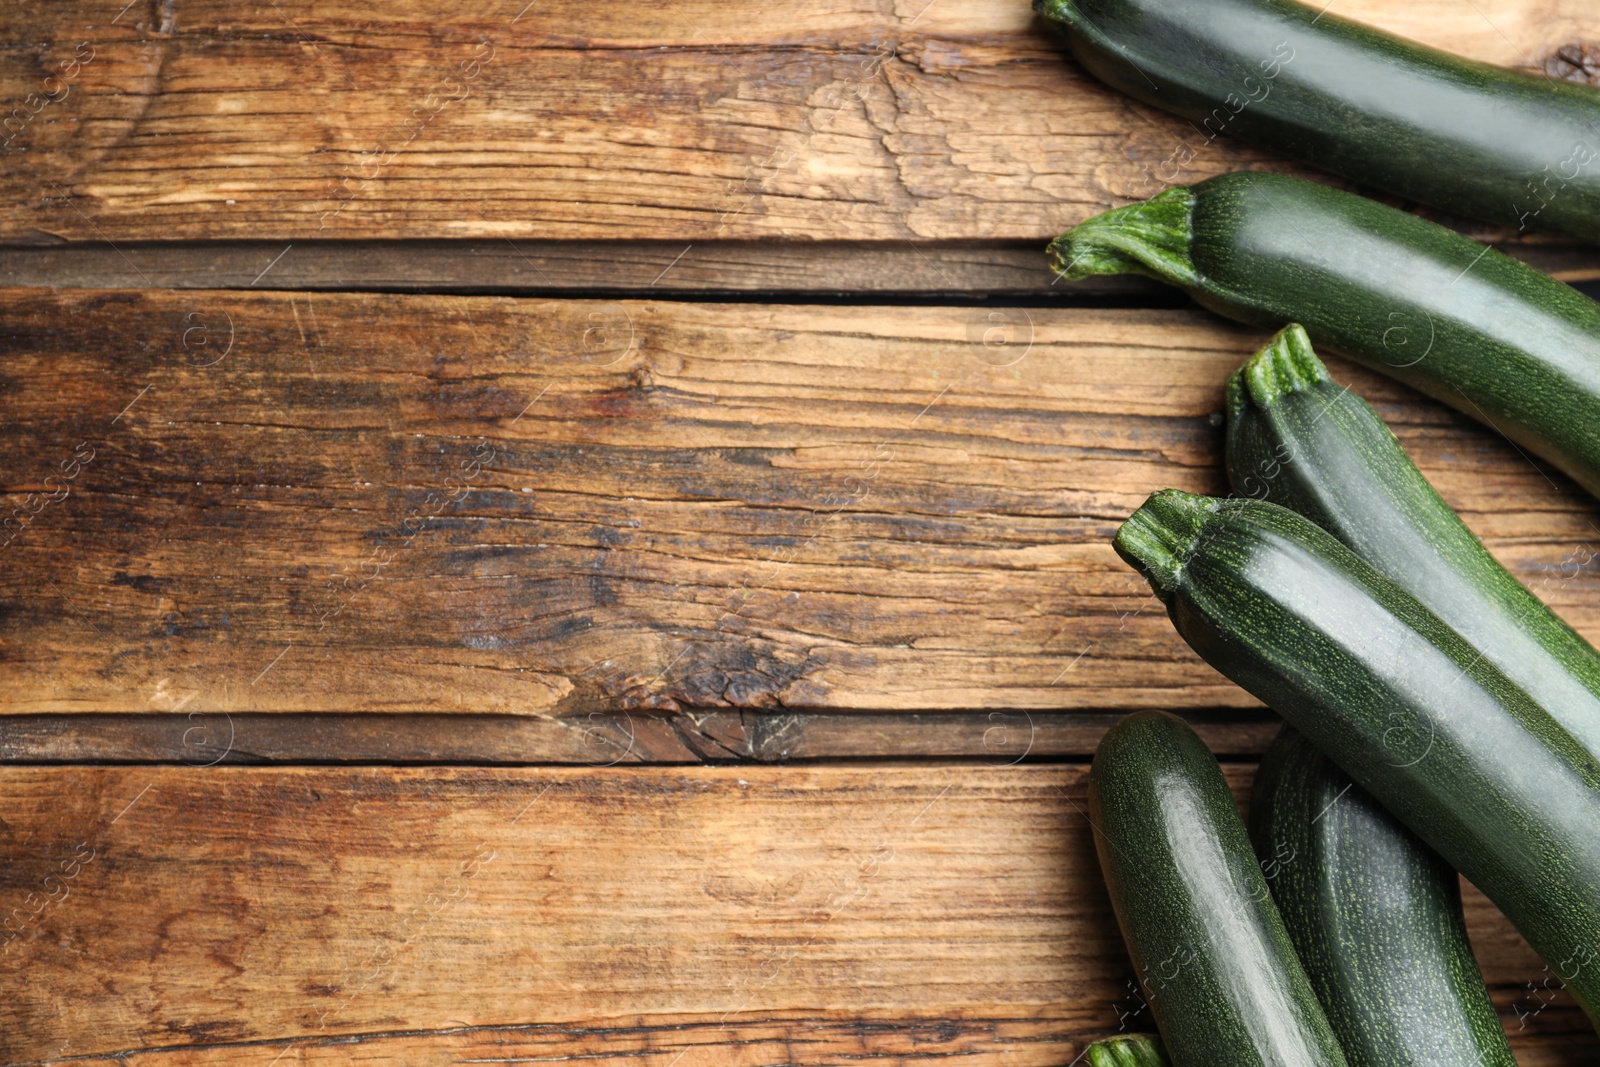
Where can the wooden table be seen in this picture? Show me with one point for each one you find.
(579, 532)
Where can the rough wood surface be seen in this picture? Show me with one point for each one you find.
(291, 502)
(826, 915)
(685, 120)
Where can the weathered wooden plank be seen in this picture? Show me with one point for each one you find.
(692, 120)
(892, 913)
(635, 268)
(228, 502)
(205, 739)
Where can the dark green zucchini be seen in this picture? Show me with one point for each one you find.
(1468, 325)
(1217, 968)
(1375, 916)
(1397, 699)
(1297, 439)
(1508, 147)
(1131, 1050)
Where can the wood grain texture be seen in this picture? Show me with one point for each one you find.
(827, 915)
(489, 505)
(688, 120)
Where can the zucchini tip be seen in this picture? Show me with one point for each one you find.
(1131, 1050)
(1150, 238)
(1286, 364)
(1158, 539)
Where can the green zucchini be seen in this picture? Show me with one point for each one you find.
(1470, 326)
(1297, 439)
(1217, 967)
(1401, 702)
(1131, 1050)
(1505, 146)
(1375, 916)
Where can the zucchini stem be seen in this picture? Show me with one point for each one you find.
(1158, 539)
(1131, 1050)
(1287, 364)
(1149, 238)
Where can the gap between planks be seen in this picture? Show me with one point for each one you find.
(995, 738)
(843, 270)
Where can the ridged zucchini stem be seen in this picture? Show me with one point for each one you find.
(1150, 238)
(1158, 539)
(1131, 1050)
(1286, 365)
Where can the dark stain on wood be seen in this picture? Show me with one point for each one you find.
(1578, 62)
